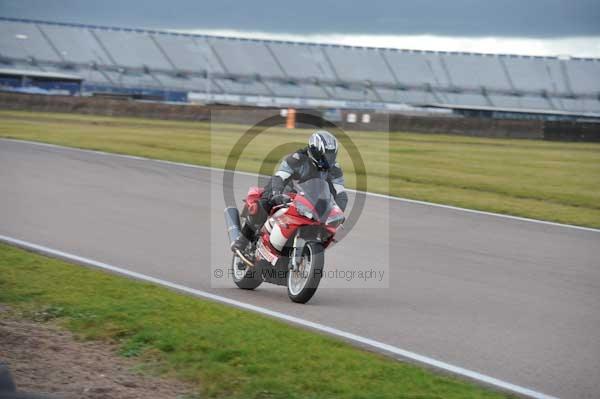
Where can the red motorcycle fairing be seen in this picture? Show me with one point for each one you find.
(283, 224)
(254, 195)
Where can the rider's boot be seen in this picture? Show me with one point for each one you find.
(244, 239)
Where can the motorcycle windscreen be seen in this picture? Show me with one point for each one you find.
(317, 192)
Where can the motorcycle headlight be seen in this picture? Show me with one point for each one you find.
(304, 210)
(335, 220)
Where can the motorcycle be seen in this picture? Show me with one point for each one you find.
(288, 250)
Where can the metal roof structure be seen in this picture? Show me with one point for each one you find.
(281, 72)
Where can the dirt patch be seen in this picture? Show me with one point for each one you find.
(45, 359)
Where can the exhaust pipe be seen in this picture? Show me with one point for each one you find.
(234, 230)
(232, 221)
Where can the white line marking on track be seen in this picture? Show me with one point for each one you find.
(390, 197)
(282, 316)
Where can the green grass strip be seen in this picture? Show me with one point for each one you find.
(227, 353)
(552, 181)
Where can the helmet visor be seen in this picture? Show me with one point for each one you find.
(329, 158)
(324, 160)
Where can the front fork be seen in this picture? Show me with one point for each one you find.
(297, 248)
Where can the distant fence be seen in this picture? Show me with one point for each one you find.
(101, 106)
(479, 127)
(572, 131)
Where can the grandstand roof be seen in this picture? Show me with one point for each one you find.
(249, 68)
(290, 42)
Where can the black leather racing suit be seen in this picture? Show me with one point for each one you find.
(296, 167)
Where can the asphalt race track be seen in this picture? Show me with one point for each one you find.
(516, 300)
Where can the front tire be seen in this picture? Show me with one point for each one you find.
(303, 283)
(247, 279)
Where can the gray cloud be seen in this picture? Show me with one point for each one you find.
(507, 18)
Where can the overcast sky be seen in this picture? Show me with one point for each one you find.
(519, 26)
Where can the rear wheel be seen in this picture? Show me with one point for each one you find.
(246, 278)
(303, 283)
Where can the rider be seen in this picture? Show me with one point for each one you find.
(317, 160)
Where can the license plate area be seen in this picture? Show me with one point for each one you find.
(266, 254)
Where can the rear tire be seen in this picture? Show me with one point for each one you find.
(303, 284)
(247, 279)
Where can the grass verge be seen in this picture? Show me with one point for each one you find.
(225, 351)
(543, 180)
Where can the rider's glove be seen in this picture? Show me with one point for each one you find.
(280, 199)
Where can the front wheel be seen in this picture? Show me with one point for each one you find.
(246, 278)
(303, 283)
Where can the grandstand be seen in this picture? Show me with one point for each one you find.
(182, 67)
